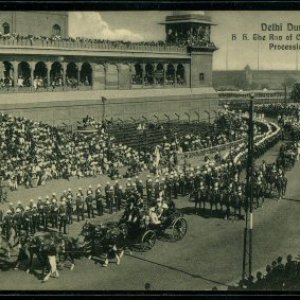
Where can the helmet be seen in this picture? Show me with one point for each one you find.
(27, 208)
(18, 210)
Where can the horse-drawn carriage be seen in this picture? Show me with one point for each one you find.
(140, 235)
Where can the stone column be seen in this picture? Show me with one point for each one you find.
(32, 66)
(48, 65)
(78, 65)
(64, 68)
(143, 73)
(15, 66)
(105, 75)
(175, 78)
(165, 74)
(118, 69)
(154, 69)
(130, 75)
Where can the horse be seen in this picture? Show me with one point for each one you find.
(281, 184)
(277, 182)
(259, 192)
(105, 240)
(38, 245)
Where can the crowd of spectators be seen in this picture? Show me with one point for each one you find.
(278, 277)
(103, 43)
(33, 152)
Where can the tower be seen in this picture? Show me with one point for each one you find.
(192, 29)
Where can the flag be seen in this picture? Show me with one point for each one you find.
(157, 157)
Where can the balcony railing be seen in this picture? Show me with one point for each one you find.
(78, 43)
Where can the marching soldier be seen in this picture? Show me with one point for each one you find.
(110, 199)
(80, 192)
(106, 189)
(69, 208)
(11, 208)
(62, 212)
(90, 191)
(20, 206)
(31, 204)
(17, 221)
(239, 202)
(119, 194)
(89, 204)
(63, 196)
(215, 197)
(27, 220)
(46, 214)
(79, 207)
(35, 218)
(53, 197)
(116, 188)
(69, 193)
(98, 198)
(228, 198)
(54, 213)
(202, 195)
(39, 202)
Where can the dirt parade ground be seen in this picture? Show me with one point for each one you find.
(210, 255)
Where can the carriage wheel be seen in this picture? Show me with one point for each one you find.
(148, 240)
(179, 229)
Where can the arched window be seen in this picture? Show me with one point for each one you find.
(56, 30)
(5, 27)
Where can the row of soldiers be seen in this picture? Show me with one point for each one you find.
(58, 212)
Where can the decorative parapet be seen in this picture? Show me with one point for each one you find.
(81, 43)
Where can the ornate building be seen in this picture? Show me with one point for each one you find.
(44, 59)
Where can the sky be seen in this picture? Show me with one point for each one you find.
(231, 55)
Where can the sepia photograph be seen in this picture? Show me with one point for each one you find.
(149, 150)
